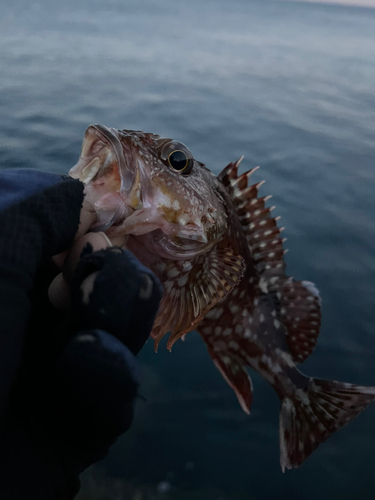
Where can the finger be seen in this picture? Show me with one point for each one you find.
(59, 259)
(59, 295)
(98, 241)
(58, 292)
(119, 240)
(86, 220)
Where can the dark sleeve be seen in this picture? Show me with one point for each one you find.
(39, 218)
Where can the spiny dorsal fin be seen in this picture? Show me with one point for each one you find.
(299, 301)
(260, 228)
(191, 289)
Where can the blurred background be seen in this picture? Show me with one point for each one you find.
(291, 86)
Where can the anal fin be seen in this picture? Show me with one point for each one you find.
(235, 374)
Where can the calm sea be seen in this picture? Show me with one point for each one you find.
(292, 87)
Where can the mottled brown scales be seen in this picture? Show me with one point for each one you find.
(218, 252)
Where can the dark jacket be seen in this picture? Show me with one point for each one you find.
(67, 383)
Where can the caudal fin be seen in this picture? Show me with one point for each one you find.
(311, 415)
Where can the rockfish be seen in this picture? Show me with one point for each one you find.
(218, 252)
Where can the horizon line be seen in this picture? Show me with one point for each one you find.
(346, 3)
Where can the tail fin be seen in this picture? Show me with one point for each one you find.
(311, 415)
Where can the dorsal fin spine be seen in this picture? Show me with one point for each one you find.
(241, 182)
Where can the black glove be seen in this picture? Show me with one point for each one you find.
(67, 382)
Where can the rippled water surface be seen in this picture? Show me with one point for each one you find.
(290, 86)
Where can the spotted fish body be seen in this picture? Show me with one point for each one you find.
(219, 254)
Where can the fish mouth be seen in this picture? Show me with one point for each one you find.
(111, 182)
(104, 167)
(101, 156)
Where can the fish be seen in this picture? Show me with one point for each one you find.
(219, 253)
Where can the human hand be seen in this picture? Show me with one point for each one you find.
(69, 376)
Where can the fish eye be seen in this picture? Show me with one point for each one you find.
(178, 160)
(176, 156)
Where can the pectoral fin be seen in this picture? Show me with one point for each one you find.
(192, 289)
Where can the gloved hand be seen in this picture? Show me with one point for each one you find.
(68, 380)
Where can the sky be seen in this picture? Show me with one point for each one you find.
(354, 3)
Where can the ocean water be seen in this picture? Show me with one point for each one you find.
(290, 86)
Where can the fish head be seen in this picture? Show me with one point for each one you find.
(151, 188)
(172, 211)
